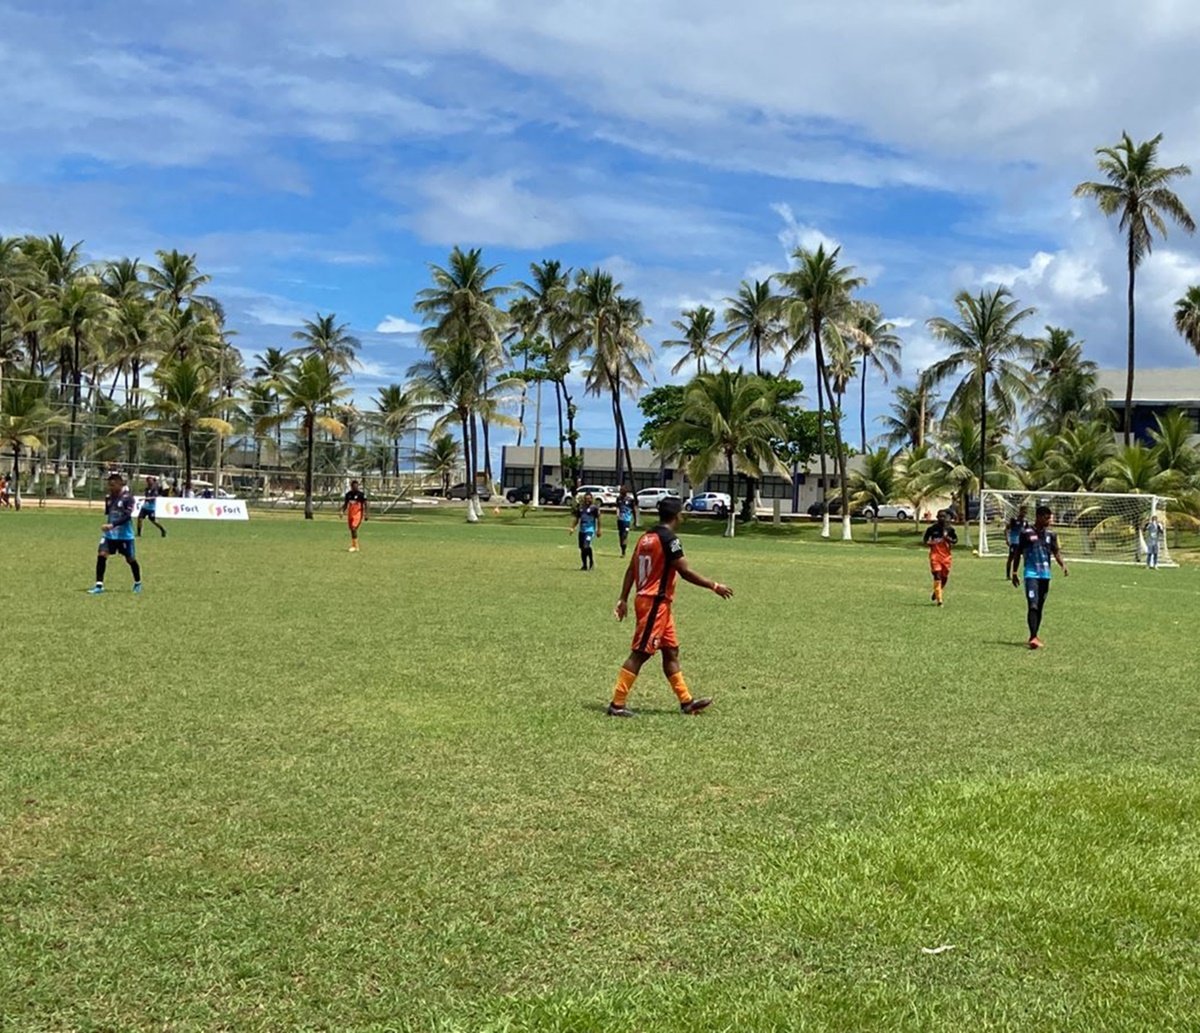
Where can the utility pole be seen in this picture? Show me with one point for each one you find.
(537, 445)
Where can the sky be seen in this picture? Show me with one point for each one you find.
(319, 157)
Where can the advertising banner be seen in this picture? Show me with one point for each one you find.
(200, 509)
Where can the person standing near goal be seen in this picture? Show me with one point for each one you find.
(940, 539)
(1039, 545)
(1012, 535)
(1154, 532)
(354, 505)
(657, 561)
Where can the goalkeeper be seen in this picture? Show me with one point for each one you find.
(1039, 545)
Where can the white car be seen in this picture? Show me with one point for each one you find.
(649, 498)
(888, 512)
(604, 496)
(709, 502)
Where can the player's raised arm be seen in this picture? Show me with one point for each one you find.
(690, 576)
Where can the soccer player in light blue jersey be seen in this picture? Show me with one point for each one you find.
(587, 520)
(1039, 545)
(626, 515)
(117, 533)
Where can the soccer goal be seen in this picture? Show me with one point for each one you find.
(1092, 527)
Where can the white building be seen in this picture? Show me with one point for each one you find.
(1155, 392)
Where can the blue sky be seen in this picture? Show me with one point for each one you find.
(318, 159)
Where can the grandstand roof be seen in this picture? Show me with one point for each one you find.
(1154, 386)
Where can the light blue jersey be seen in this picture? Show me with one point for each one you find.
(118, 511)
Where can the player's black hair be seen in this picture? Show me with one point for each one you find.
(1044, 511)
(669, 508)
(116, 475)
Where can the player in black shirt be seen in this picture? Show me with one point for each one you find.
(150, 505)
(354, 505)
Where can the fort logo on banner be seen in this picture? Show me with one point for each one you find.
(202, 509)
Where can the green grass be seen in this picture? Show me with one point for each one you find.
(291, 788)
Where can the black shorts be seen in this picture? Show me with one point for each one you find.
(623, 528)
(117, 547)
(148, 510)
(585, 540)
(1036, 590)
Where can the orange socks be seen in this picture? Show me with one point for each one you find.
(625, 680)
(679, 687)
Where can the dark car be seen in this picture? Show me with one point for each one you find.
(818, 508)
(549, 494)
(461, 491)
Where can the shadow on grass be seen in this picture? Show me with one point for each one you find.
(602, 708)
(1023, 644)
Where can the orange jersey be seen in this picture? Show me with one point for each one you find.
(654, 564)
(941, 540)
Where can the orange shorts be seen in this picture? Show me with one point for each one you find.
(940, 571)
(655, 626)
(354, 515)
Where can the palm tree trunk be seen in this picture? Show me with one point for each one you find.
(731, 516)
(558, 408)
(468, 462)
(186, 434)
(309, 442)
(758, 355)
(862, 407)
(1130, 361)
(625, 439)
(524, 399)
(983, 447)
(840, 459)
(821, 428)
(16, 483)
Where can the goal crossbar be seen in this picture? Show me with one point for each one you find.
(1092, 526)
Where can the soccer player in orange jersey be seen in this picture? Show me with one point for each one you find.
(941, 539)
(354, 505)
(657, 561)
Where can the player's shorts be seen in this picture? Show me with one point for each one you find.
(585, 539)
(354, 517)
(149, 509)
(655, 626)
(623, 528)
(1036, 590)
(117, 547)
(941, 571)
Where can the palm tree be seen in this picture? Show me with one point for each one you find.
(309, 389)
(991, 357)
(875, 344)
(174, 283)
(191, 332)
(1068, 391)
(269, 366)
(464, 303)
(1079, 461)
(1039, 446)
(25, 415)
(609, 327)
(185, 399)
(453, 378)
(754, 319)
(330, 340)
(1137, 190)
(958, 463)
(913, 412)
(821, 288)
(1174, 453)
(1187, 317)
(399, 411)
(912, 480)
(1133, 470)
(550, 291)
(728, 417)
(699, 340)
(874, 485)
(441, 457)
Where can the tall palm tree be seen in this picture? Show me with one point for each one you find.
(185, 399)
(268, 367)
(754, 319)
(990, 356)
(453, 378)
(25, 416)
(464, 303)
(874, 485)
(521, 339)
(330, 340)
(192, 332)
(309, 389)
(1068, 389)
(176, 281)
(1187, 317)
(728, 418)
(609, 326)
(876, 346)
(1137, 190)
(400, 409)
(1174, 453)
(440, 457)
(700, 338)
(822, 287)
(549, 288)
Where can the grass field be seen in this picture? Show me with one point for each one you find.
(289, 788)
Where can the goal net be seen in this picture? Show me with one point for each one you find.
(1092, 527)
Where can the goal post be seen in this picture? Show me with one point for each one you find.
(1092, 527)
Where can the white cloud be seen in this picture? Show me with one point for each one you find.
(798, 235)
(1064, 275)
(397, 325)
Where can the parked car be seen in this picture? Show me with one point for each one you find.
(888, 512)
(818, 508)
(548, 494)
(461, 491)
(604, 496)
(709, 502)
(649, 498)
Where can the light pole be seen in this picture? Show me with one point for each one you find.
(537, 446)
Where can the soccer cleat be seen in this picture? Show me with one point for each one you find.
(941, 602)
(163, 531)
(96, 590)
(694, 706)
(137, 588)
(1035, 643)
(619, 711)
